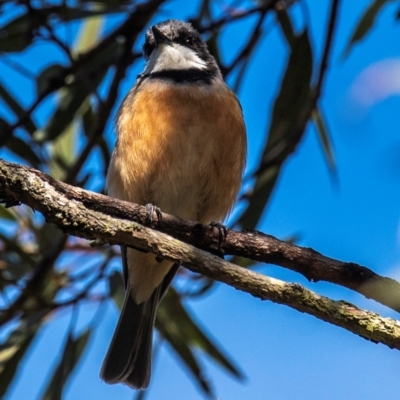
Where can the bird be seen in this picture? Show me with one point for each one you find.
(181, 146)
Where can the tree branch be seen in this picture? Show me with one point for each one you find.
(42, 193)
(94, 216)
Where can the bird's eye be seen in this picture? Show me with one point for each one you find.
(189, 40)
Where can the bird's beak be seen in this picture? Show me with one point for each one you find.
(159, 37)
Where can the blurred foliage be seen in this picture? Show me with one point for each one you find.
(366, 22)
(41, 271)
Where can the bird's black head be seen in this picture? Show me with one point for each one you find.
(175, 50)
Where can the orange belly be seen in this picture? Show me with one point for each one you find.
(181, 149)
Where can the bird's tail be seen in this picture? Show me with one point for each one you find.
(128, 359)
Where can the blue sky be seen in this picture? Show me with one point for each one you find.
(285, 354)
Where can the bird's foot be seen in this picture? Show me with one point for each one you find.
(150, 210)
(222, 232)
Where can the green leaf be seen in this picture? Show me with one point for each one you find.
(72, 353)
(7, 214)
(286, 26)
(10, 359)
(16, 108)
(170, 330)
(291, 112)
(243, 262)
(88, 117)
(179, 329)
(14, 348)
(17, 34)
(72, 98)
(25, 150)
(324, 139)
(63, 152)
(88, 35)
(366, 23)
(50, 77)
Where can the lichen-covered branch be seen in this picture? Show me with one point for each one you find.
(43, 193)
(94, 216)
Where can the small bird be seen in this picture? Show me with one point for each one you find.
(181, 146)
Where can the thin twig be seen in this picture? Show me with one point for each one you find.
(41, 270)
(327, 48)
(7, 60)
(84, 293)
(53, 37)
(132, 26)
(214, 25)
(247, 49)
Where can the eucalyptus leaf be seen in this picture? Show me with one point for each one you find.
(366, 22)
(291, 112)
(13, 349)
(50, 77)
(16, 35)
(287, 27)
(183, 333)
(70, 357)
(63, 152)
(171, 333)
(7, 214)
(73, 96)
(25, 150)
(71, 99)
(325, 139)
(88, 117)
(88, 35)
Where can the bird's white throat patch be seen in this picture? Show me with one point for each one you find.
(175, 57)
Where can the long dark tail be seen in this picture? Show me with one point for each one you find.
(128, 359)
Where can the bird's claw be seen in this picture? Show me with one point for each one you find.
(222, 232)
(150, 209)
